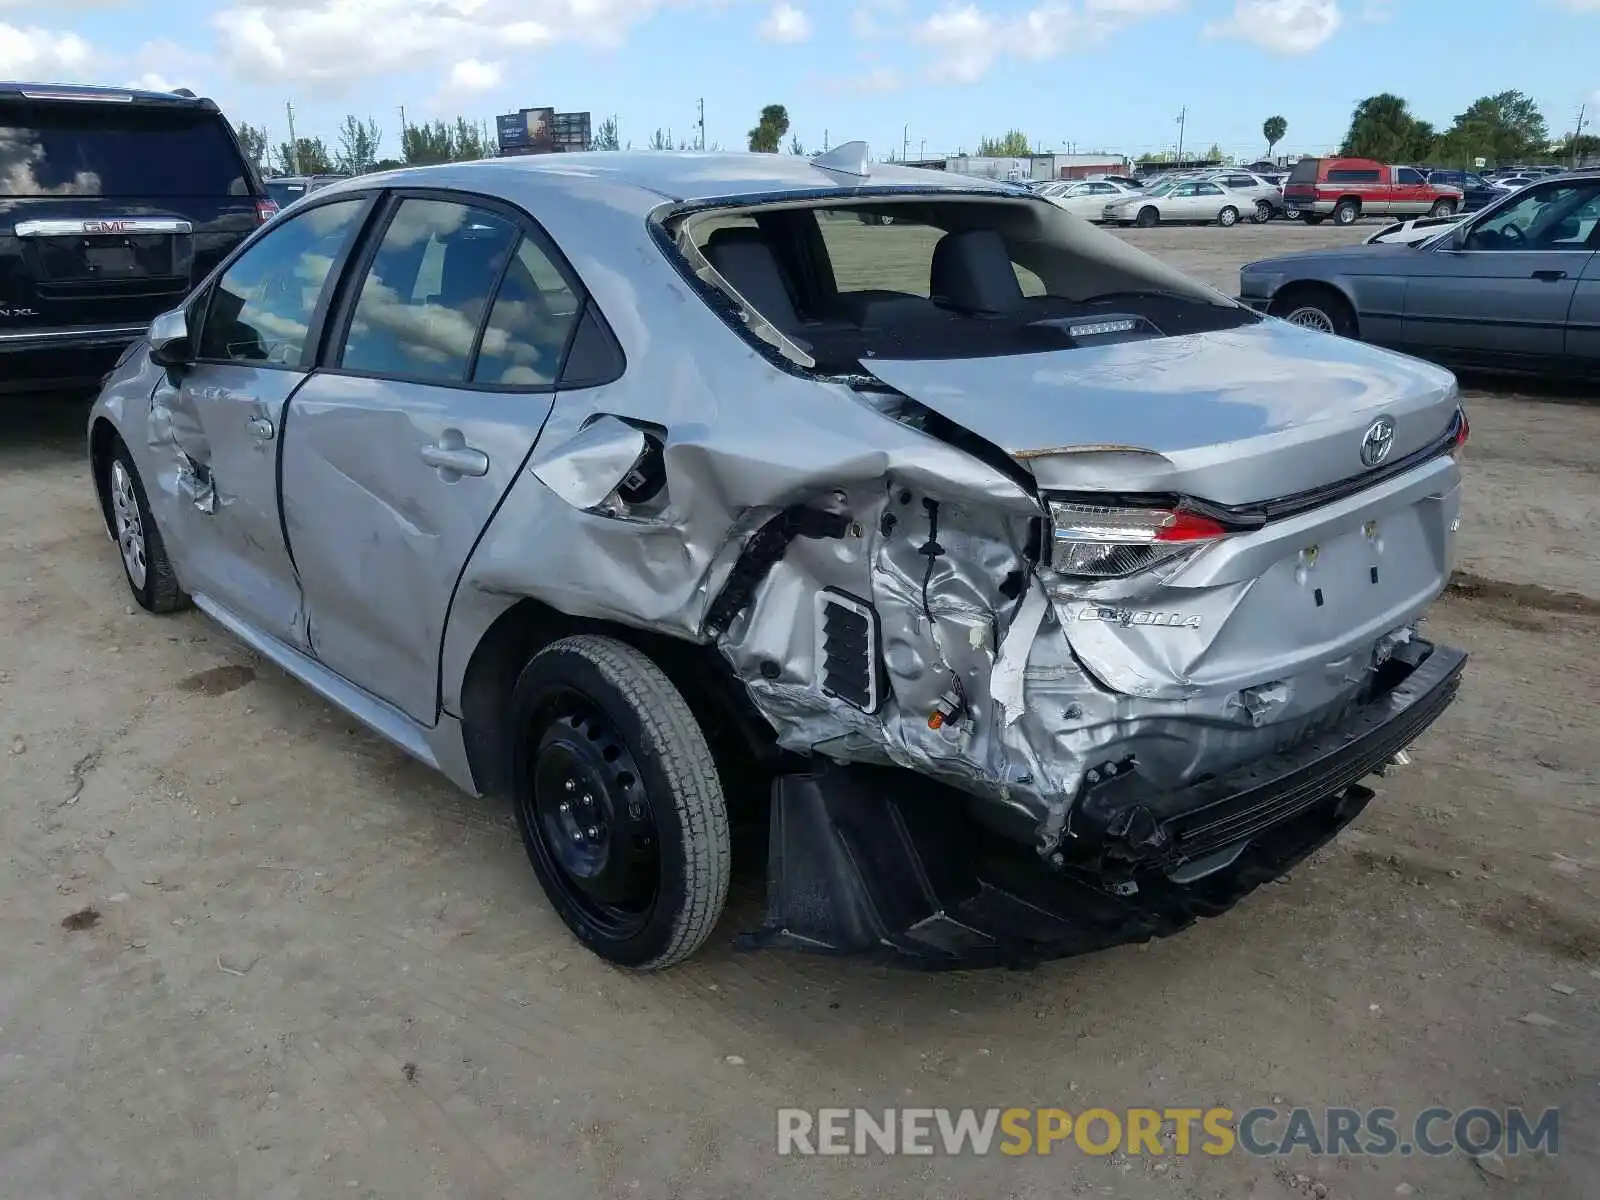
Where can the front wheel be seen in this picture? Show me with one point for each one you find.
(1148, 217)
(145, 565)
(619, 802)
(1228, 217)
(1443, 208)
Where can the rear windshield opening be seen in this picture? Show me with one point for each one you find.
(837, 282)
(1305, 171)
(91, 149)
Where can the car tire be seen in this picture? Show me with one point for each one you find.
(1263, 212)
(1228, 217)
(1443, 208)
(1312, 218)
(145, 564)
(1314, 306)
(1346, 212)
(1149, 217)
(619, 802)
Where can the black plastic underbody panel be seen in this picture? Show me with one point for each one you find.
(871, 860)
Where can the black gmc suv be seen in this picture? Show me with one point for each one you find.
(113, 205)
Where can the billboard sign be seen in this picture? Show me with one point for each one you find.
(541, 131)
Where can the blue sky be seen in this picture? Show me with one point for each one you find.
(1097, 74)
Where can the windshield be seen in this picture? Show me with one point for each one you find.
(101, 150)
(837, 282)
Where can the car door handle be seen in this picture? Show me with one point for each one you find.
(1550, 276)
(462, 460)
(262, 429)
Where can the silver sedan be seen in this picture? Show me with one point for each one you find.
(1192, 201)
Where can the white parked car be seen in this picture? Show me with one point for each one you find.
(1084, 198)
(1195, 201)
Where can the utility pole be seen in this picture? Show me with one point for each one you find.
(702, 124)
(1183, 117)
(294, 146)
(905, 142)
(824, 141)
(1576, 134)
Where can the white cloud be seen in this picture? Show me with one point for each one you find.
(968, 40)
(474, 75)
(150, 81)
(785, 23)
(878, 18)
(34, 53)
(1281, 26)
(325, 45)
(1579, 6)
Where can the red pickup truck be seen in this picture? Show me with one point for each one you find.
(1348, 188)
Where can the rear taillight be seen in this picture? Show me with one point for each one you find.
(1463, 431)
(265, 211)
(1094, 541)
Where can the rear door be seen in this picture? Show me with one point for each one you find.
(440, 373)
(1583, 318)
(1505, 288)
(110, 212)
(225, 413)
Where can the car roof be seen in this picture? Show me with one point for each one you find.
(687, 176)
(93, 92)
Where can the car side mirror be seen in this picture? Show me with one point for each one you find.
(170, 344)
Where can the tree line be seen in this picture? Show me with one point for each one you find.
(1501, 129)
(356, 146)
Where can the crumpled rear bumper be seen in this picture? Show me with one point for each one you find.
(874, 860)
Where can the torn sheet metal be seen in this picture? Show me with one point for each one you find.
(587, 467)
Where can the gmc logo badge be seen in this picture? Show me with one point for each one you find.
(105, 227)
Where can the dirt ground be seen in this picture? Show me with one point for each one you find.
(317, 971)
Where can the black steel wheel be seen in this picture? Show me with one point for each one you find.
(619, 803)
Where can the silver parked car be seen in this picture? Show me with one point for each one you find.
(1514, 287)
(1084, 198)
(1266, 196)
(1033, 596)
(1192, 201)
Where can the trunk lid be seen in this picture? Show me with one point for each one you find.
(111, 212)
(1239, 416)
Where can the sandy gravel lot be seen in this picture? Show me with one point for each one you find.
(317, 971)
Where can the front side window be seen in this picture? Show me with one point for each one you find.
(260, 311)
(1559, 216)
(424, 295)
(1410, 177)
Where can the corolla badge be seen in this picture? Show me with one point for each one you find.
(1377, 442)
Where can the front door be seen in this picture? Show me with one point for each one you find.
(226, 414)
(1504, 287)
(397, 455)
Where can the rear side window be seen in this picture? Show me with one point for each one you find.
(1305, 171)
(532, 318)
(425, 293)
(117, 151)
(1354, 175)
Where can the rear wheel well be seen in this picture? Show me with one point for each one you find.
(1353, 200)
(103, 441)
(741, 740)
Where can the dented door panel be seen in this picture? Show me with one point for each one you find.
(220, 426)
(380, 523)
